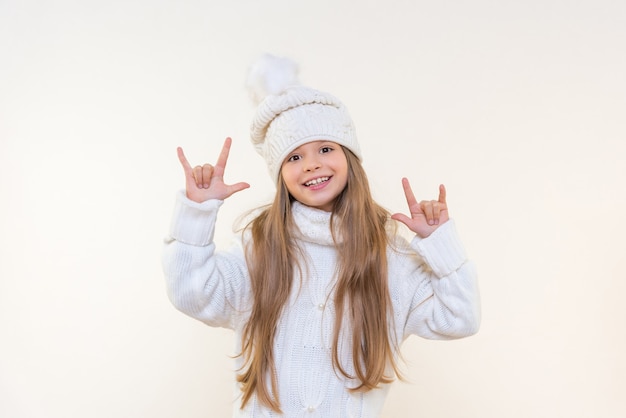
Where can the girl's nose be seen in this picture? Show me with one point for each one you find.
(312, 164)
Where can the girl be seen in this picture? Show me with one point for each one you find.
(319, 288)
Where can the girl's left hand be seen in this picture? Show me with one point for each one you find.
(427, 215)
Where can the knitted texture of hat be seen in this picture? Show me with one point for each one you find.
(291, 115)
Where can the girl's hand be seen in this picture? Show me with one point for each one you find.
(427, 215)
(206, 182)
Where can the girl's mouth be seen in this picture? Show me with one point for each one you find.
(316, 181)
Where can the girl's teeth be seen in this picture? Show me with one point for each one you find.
(316, 181)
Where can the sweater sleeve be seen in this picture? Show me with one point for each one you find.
(207, 285)
(441, 297)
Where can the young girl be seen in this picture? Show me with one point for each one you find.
(319, 288)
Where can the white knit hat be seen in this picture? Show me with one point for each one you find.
(289, 115)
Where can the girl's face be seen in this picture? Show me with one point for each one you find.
(316, 173)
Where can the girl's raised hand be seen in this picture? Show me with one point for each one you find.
(206, 182)
(427, 215)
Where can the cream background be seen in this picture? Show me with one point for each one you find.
(518, 107)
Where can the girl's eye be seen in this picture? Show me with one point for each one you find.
(294, 158)
(325, 150)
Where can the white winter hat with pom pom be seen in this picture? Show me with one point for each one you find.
(289, 115)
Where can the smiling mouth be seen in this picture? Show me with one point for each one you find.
(316, 181)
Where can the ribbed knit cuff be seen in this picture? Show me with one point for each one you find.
(442, 250)
(194, 223)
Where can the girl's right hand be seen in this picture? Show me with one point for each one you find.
(206, 182)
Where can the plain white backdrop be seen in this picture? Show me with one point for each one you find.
(518, 107)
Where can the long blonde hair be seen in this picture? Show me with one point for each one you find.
(361, 290)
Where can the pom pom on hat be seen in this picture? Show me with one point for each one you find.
(270, 75)
(289, 115)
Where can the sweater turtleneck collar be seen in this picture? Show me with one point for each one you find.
(313, 224)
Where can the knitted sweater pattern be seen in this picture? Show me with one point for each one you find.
(432, 287)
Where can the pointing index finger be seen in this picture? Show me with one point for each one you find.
(442, 193)
(408, 193)
(220, 165)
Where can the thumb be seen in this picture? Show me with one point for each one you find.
(237, 187)
(401, 217)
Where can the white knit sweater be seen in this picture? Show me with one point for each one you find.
(432, 286)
